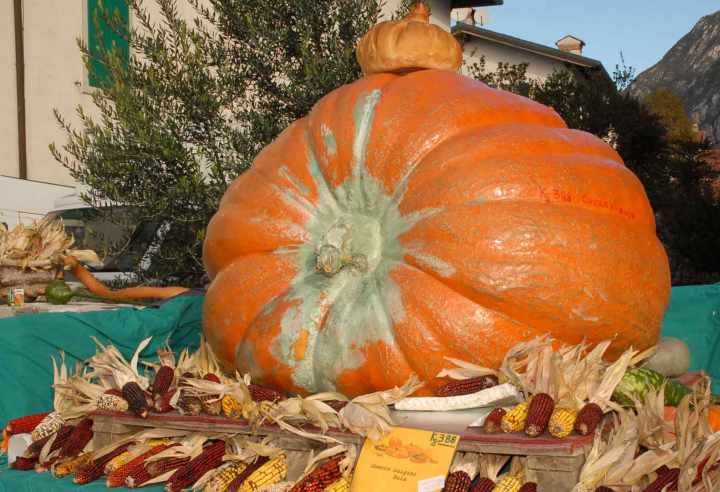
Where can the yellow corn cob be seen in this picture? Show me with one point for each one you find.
(221, 481)
(271, 472)
(49, 425)
(514, 420)
(508, 483)
(118, 461)
(341, 485)
(562, 422)
(231, 408)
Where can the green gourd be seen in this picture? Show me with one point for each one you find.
(58, 292)
(638, 381)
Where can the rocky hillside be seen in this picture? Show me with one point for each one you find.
(692, 70)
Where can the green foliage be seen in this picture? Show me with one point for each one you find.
(196, 102)
(669, 108)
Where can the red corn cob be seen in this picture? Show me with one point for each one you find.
(458, 481)
(321, 477)
(240, 479)
(78, 439)
(94, 470)
(211, 377)
(483, 484)
(162, 401)
(115, 392)
(262, 393)
(163, 380)
(588, 419)
(190, 405)
(117, 478)
(700, 470)
(33, 451)
(602, 488)
(136, 399)
(23, 463)
(61, 437)
(188, 474)
(528, 487)
(668, 477)
(539, 412)
(26, 424)
(493, 422)
(165, 465)
(467, 386)
(137, 477)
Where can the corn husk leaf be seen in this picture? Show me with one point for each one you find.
(109, 363)
(490, 465)
(465, 370)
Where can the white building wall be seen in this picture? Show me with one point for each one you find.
(539, 67)
(8, 102)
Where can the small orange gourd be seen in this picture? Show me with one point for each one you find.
(417, 214)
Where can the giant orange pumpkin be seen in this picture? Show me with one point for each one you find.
(417, 215)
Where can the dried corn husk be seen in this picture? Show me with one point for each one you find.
(465, 370)
(109, 365)
(489, 465)
(369, 415)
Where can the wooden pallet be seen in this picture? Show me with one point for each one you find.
(553, 463)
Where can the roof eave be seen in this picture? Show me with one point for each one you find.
(456, 4)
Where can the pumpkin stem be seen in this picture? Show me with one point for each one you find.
(420, 13)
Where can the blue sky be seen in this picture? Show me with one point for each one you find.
(642, 29)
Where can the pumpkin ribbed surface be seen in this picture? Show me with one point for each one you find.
(410, 218)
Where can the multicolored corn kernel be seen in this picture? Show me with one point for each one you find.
(270, 472)
(188, 474)
(190, 405)
(588, 419)
(467, 386)
(163, 380)
(162, 401)
(69, 465)
(136, 398)
(241, 477)
(221, 481)
(514, 420)
(528, 487)
(231, 408)
(482, 484)
(61, 437)
(508, 483)
(263, 393)
(539, 412)
(94, 469)
(562, 422)
(340, 485)
(457, 481)
(320, 478)
(50, 424)
(145, 472)
(117, 462)
(117, 478)
(25, 424)
(23, 463)
(112, 403)
(493, 422)
(77, 440)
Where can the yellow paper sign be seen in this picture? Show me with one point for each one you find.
(406, 460)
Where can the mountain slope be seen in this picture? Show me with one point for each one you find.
(692, 70)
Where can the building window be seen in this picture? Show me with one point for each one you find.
(102, 35)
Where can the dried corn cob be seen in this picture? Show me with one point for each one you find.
(668, 478)
(272, 471)
(231, 408)
(337, 405)
(162, 401)
(262, 393)
(68, 466)
(320, 478)
(493, 422)
(145, 472)
(117, 477)
(61, 437)
(94, 468)
(467, 386)
(112, 403)
(117, 462)
(483, 484)
(211, 405)
(190, 405)
(163, 380)
(221, 481)
(340, 485)
(136, 398)
(588, 419)
(562, 422)
(50, 424)
(602, 488)
(25, 424)
(212, 377)
(23, 463)
(457, 481)
(77, 440)
(188, 474)
(528, 487)
(514, 420)
(240, 478)
(539, 412)
(33, 451)
(508, 483)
